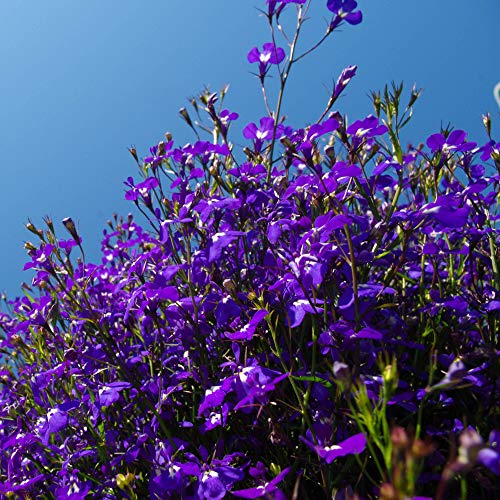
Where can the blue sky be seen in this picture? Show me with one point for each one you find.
(82, 81)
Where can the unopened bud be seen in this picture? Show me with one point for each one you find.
(399, 438)
(133, 152)
(421, 448)
(29, 246)
(183, 112)
(31, 227)
(229, 285)
(388, 492)
(330, 152)
(49, 223)
(415, 94)
(123, 481)
(70, 226)
(390, 376)
(487, 123)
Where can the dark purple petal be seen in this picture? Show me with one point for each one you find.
(110, 393)
(250, 131)
(253, 55)
(211, 487)
(456, 137)
(354, 17)
(436, 142)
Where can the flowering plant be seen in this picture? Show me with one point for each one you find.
(314, 316)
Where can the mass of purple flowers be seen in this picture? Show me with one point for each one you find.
(312, 315)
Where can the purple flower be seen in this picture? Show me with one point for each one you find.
(490, 150)
(253, 383)
(247, 331)
(141, 190)
(219, 242)
(40, 258)
(214, 484)
(299, 308)
(456, 141)
(272, 5)
(368, 127)
(110, 393)
(265, 132)
(447, 211)
(265, 489)
(343, 80)
(211, 487)
(473, 449)
(270, 54)
(455, 374)
(228, 116)
(344, 10)
(262, 133)
(350, 446)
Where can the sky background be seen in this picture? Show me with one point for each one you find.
(80, 81)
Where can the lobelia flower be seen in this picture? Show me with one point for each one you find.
(344, 10)
(343, 80)
(215, 483)
(369, 127)
(350, 446)
(225, 118)
(448, 210)
(272, 5)
(254, 383)
(474, 450)
(141, 190)
(262, 133)
(270, 54)
(456, 141)
(159, 153)
(110, 393)
(266, 489)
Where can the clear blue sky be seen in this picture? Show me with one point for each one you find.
(82, 81)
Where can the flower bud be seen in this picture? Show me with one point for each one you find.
(388, 492)
(70, 227)
(123, 481)
(133, 152)
(487, 123)
(185, 115)
(421, 448)
(400, 438)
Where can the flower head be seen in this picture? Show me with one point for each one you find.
(270, 54)
(344, 10)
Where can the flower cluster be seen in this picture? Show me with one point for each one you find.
(315, 316)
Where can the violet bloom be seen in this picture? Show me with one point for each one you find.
(353, 445)
(344, 10)
(369, 127)
(281, 5)
(262, 133)
(110, 393)
(141, 190)
(226, 117)
(456, 141)
(448, 211)
(270, 54)
(490, 150)
(473, 449)
(159, 153)
(265, 489)
(214, 484)
(344, 79)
